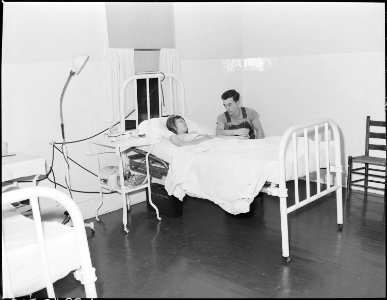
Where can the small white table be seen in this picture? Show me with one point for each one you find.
(21, 165)
(118, 145)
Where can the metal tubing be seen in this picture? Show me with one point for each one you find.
(327, 154)
(295, 167)
(145, 76)
(306, 154)
(122, 188)
(282, 178)
(147, 98)
(160, 102)
(311, 199)
(88, 272)
(149, 182)
(42, 245)
(317, 156)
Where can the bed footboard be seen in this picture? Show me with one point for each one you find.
(86, 274)
(289, 136)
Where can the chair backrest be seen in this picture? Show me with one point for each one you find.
(371, 134)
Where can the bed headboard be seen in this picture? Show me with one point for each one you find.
(156, 108)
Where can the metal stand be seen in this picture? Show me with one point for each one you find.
(64, 149)
(68, 183)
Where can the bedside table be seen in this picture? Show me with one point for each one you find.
(121, 146)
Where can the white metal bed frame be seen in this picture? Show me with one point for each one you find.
(86, 273)
(290, 134)
(148, 76)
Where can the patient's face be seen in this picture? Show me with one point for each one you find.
(231, 106)
(181, 126)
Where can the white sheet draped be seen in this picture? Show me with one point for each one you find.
(229, 172)
(170, 63)
(119, 67)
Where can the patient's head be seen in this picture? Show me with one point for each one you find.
(177, 124)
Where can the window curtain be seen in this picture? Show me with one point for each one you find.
(120, 66)
(170, 63)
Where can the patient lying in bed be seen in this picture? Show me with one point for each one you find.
(179, 127)
(182, 137)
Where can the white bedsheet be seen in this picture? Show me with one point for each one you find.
(231, 172)
(228, 172)
(23, 254)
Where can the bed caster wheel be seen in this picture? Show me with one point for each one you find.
(340, 227)
(286, 259)
(126, 230)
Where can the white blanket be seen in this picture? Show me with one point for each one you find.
(228, 172)
(231, 172)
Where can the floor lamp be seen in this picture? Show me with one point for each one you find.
(78, 64)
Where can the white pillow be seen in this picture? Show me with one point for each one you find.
(157, 128)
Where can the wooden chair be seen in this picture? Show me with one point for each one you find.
(367, 160)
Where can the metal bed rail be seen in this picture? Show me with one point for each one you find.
(86, 273)
(172, 79)
(289, 136)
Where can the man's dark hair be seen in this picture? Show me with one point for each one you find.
(231, 94)
(171, 123)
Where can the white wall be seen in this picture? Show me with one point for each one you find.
(294, 62)
(207, 36)
(39, 43)
(291, 62)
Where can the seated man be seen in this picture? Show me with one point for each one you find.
(236, 120)
(178, 126)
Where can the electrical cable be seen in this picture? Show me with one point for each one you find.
(85, 192)
(68, 188)
(67, 160)
(53, 174)
(48, 173)
(150, 94)
(77, 163)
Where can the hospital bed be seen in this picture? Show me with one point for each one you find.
(206, 169)
(35, 254)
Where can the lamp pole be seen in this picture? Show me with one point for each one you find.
(79, 63)
(64, 145)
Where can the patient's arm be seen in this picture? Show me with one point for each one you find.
(179, 142)
(227, 137)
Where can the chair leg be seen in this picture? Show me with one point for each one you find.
(349, 177)
(366, 179)
(385, 187)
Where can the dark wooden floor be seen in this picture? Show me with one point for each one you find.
(208, 253)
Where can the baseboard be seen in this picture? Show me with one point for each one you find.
(112, 202)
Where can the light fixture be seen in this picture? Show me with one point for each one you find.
(78, 63)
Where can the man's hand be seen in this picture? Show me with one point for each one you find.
(242, 132)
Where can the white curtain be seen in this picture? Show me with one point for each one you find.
(120, 66)
(170, 63)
